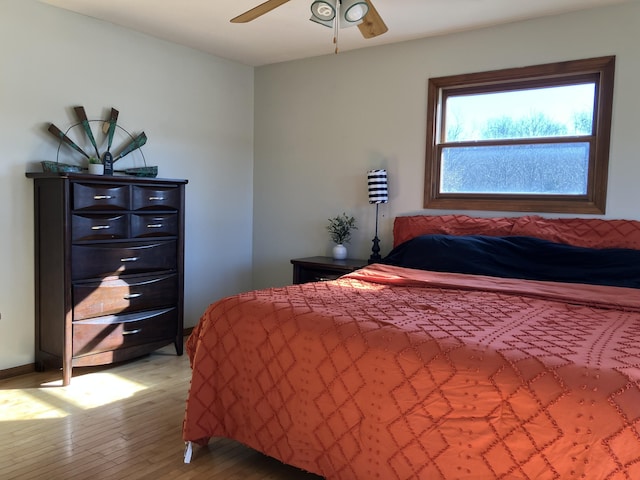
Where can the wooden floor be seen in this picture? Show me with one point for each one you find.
(122, 422)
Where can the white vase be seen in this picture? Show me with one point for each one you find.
(96, 169)
(339, 252)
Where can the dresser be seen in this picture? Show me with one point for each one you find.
(109, 268)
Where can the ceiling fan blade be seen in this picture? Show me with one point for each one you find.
(372, 24)
(258, 11)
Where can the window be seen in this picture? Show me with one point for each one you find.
(530, 139)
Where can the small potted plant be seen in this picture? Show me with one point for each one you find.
(95, 166)
(340, 231)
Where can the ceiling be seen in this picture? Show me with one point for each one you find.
(286, 32)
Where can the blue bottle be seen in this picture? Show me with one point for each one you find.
(107, 160)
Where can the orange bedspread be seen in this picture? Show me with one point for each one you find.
(392, 373)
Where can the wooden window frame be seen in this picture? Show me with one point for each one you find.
(601, 69)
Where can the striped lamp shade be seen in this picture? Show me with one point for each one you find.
(378, 192)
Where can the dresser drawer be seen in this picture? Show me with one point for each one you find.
(158, 198)
(112, 332)
(318, 275)
(124, 294)
(154, 225)
(319, 269)
(102, 260)
(99, 227)
(101, 197)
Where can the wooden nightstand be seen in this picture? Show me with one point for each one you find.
(319, 269)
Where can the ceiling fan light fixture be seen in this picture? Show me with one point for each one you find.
(323, 10)
(331, 13)
(326, 23)
(354, 10)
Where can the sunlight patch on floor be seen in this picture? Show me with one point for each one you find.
(54, 401)
(95, 390)
(24, 405)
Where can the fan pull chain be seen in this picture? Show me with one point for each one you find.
(336, 26)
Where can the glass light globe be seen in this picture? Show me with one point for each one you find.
(355, 13)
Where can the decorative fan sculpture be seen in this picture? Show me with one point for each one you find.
(331, 13)
(109, 128)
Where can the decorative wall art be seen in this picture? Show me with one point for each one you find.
(83, 142)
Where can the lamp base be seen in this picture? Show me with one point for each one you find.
(375, 255)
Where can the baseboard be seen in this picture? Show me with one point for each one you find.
(31, 367)
(16, 371)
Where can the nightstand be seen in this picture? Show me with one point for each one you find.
(319, 269)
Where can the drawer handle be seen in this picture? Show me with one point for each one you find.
(101, 227)
(129, 259)
(156, 198)
(132, 332)
(154, 225)
(102, 197)
(132, 295)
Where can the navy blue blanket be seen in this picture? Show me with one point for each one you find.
(519, 257)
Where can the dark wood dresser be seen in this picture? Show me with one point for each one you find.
(109, 268)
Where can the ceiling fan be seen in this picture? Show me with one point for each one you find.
(353, 12)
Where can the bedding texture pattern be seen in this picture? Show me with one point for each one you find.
(580, 232)
(396, 373)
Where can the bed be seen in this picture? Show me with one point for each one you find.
(479, 348)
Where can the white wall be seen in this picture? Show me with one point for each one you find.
(196, 109)
(322, 123)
